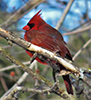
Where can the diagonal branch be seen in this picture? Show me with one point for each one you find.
(25, 68)
(21, 12)
(79, 51)
(78, 31)
(28, 46)
(59, 91)
(21, 80)
(60, 22)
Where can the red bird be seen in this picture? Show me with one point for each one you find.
(39, 33)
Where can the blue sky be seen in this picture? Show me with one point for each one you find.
(53, 12)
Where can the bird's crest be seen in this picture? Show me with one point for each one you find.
(37, 19)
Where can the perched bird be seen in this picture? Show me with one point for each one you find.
(39, 33)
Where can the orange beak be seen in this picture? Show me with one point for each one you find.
(26, 27)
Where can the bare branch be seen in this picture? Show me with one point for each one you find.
(81, 25)
(79, 51)
(25, 68)
(78, 31)
(33, 90)
(59, 91)
(27, 45)
(21, 12)
(21, 79)
(59, 23)
(3, 83)
(13, 66)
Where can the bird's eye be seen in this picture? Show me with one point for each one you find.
(31, 25)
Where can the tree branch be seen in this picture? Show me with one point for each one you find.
(33, 90)
(59, 23)
(78, 31)
(12, 66)
(21, 79)
(28, 46)
(79, 51)
(21, 12)
(59, 91)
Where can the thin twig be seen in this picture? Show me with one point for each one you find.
(81, 25)
(13, 66)
(78, 31)
(79, 51)
(3, 83)
(33, 90)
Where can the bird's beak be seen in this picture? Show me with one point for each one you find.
(26, 27)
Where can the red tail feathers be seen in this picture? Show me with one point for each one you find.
(68, 84)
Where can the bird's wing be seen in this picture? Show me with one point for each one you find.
(48, 42)
(41, 39)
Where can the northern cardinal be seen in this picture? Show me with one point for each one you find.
(39, 33)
